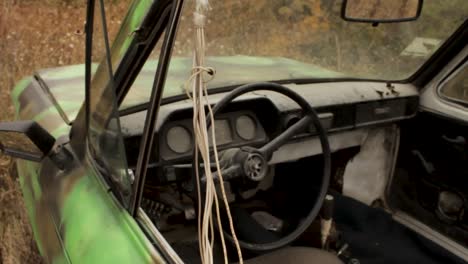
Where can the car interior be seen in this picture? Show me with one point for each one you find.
(311, 170)
(387, 159)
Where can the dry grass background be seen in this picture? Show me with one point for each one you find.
(34, 34)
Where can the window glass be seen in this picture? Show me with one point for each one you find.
(143, 84)
(104, 137)
(254, 41)
(456, 86)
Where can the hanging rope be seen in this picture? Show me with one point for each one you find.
(199, 96)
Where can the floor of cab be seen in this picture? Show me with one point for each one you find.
(375, 238)
(372, 235)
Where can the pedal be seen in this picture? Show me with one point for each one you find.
(268, 221)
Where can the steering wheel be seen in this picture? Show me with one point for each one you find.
(252, 163)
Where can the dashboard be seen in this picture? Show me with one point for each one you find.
(344, 108)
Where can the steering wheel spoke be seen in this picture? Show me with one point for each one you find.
(229, 173)
(280, 140)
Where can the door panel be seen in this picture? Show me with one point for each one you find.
(430, 181)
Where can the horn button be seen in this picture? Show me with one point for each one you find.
(242, 162)
(255, 166)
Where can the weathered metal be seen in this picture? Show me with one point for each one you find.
(72, 213)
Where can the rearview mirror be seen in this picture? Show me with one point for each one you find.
(25, 139)
(373, 11)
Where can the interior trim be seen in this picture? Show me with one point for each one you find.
(162, 242)
(431, 234)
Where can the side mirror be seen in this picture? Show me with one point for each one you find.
(372, 11)
(25, 140)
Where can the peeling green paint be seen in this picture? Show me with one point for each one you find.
(37, 192)
(103, 233)
(231, 70)
(29, 200)
(17, 90)
(63, 72)
(69, 107)
(60, 131)
(132, 21)
(72, 214)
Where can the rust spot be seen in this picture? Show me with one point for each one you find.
(380, 93)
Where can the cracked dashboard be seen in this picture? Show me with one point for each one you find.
(253, 119)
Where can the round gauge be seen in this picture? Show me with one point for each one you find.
(179, 139)
(246, 127)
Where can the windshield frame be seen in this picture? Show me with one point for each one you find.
(136, 50)
(443, 55)
(79, 136)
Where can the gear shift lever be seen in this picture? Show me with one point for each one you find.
(327, 218)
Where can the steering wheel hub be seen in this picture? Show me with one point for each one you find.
(255, 167)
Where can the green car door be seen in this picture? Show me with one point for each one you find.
(75, 214)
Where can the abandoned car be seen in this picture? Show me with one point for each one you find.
(329, 132)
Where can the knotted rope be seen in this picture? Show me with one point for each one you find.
(199, 96)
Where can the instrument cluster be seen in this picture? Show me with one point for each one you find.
(231, 130)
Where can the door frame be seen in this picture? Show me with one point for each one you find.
(430, 99)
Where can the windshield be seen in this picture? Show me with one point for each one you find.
(251, 41)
